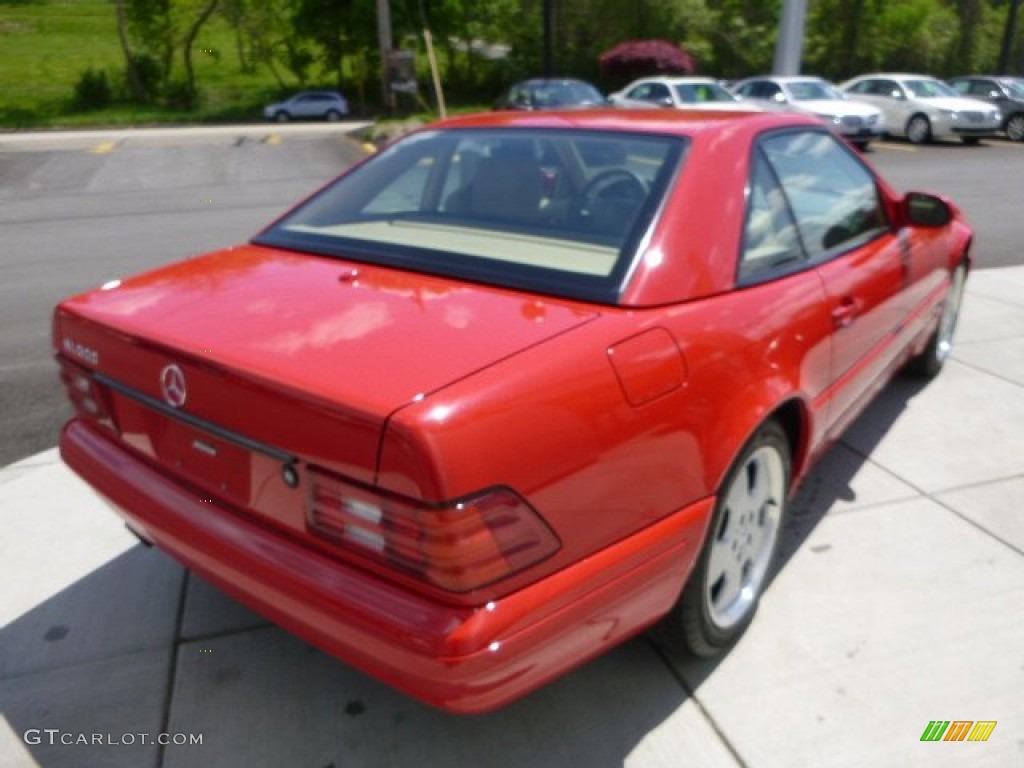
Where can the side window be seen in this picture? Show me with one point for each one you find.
(833, 196)
(891, 89)
(641, 92)
(770, 242)
(982, 89)
(880, 88)
(659, 92)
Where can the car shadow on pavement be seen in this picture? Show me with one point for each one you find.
(95, 673)
(829, 486)
(138, 647)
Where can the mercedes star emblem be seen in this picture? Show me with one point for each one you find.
(172, 385)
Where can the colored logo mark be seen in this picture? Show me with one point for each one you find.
(958, 730)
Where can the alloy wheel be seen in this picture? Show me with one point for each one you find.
(919, 130)
(950, 313)
(1015, 128)
(743, 542)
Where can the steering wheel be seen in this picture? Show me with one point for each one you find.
(608, 188)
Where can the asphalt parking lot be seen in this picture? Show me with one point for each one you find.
(80, 208)
(900, 599)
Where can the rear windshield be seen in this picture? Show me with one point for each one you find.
(699, 93)
(929, 89)
(551, 211)
(810, 90)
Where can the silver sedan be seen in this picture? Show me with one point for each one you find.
(922, 108)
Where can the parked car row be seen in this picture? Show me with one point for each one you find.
(917, 107)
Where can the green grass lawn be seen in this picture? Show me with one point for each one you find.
(46, 45)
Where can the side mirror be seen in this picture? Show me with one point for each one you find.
(666, 101)
(924, 210)
(897, 94)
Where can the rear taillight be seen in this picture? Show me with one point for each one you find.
(85, 393)
(459, 546)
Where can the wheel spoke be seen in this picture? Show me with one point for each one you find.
(727, 588)
(721, 559)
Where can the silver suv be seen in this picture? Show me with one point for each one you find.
(308, 105)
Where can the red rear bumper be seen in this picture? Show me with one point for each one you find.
(460, 659)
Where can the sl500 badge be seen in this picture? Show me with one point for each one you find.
(81, 351)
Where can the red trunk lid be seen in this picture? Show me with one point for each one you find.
(285, 355)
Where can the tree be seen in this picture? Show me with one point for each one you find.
(134, 77)
(151, 32)
(338, 28)
(1009, 36)
(191, 33)
(970, 15)
(639, 58)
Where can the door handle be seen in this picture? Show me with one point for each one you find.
(846, 312)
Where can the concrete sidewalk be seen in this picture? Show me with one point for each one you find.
(900, 601)
(104, 139)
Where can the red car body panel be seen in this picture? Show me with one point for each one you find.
(615, 425)
(457, 658)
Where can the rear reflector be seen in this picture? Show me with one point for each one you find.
(85, 393)
(458, 546)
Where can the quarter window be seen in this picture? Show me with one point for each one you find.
(833, 197)
(770, 242)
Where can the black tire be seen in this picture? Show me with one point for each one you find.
(282, 116)
(1015, 127)
(919, 130)
(928, 364)
(704, 621)
(861, 145)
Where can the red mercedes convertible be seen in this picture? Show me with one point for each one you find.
(514, 389)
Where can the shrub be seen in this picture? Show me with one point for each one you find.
(92, 91)
(179, 95)
(149, 79)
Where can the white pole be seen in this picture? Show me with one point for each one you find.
(789, 46)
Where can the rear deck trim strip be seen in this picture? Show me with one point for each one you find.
(194, 421)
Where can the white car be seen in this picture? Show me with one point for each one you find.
(857, 122)
(923, 108)
(678, 93)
